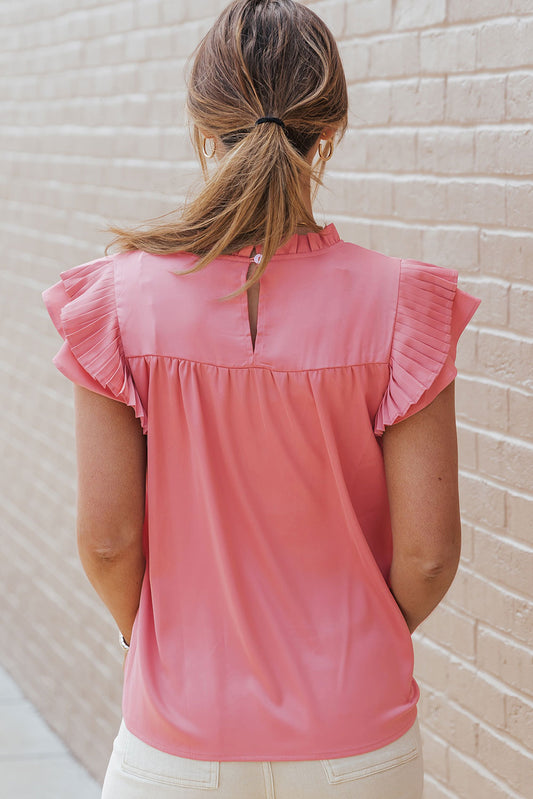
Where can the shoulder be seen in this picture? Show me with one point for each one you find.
(375, 266)
(391, 275)
(389, 265)
(134, 268)
(373, 258)
(151, 297)
(374, 277)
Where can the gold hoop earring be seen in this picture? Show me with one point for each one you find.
(326, 157)
(213, 151)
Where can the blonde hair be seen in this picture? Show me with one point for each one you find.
(260, 58)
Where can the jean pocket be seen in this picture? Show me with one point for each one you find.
(355, 767)
(152, 765)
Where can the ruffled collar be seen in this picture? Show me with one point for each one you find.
(300, 243)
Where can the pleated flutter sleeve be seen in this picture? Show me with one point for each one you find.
(431, 314)
(82, 307)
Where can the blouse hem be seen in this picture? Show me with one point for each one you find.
(323, 755)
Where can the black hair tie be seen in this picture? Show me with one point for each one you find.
(272, 119)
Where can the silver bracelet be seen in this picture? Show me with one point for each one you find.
(123, 643)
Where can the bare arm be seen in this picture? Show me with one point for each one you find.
(422, 480)
(111, 456)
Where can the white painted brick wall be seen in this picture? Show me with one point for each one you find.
(437, 165)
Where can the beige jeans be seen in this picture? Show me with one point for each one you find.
(138, 771)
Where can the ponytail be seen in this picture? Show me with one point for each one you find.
(261, 58)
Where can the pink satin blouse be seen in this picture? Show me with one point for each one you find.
(266, 629)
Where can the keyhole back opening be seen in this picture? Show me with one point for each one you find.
(253, 297)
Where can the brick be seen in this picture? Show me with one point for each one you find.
(467, 535)
(481, 201)
(333, 14)
(521, 413)
(520, 6)
(422, 199)
(389, 150)
(354, 230)
(452, 246)
(435, 755)
(373, 192)
(153, 75)
(470, 779)
(127, 79)
(376, 191)
(367, 16)
(466, 355)
(519, 96)
(508, 255)
(188, 35)
(521, 309)
(467, 448)
(477, 99)
(504, 151)
(122, 17)
(394, 55)
(75, 27)
(448, 51)
(418, 100)
(147, 14)
(394, 239)
(436, 790)
(520, 516)
(505, 43)
(434, 660)
(449, 720)
(506, 759)
(504, 658)
(482, 402)
(473, 690)
(352, 151)
(160, 46)
(136, 110)
(445, 152)
(208, 8)
(175, 111)
(370, 103)
(463, 10)
(451, 629)
(519, 717)
(174, 144)
(522, 619)
(355, 60)
(504, 561)
(502, 357)
(200, 9)
(494, 296)
(418, 15)
(481, 502)
(113, 49)
(173, 11)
